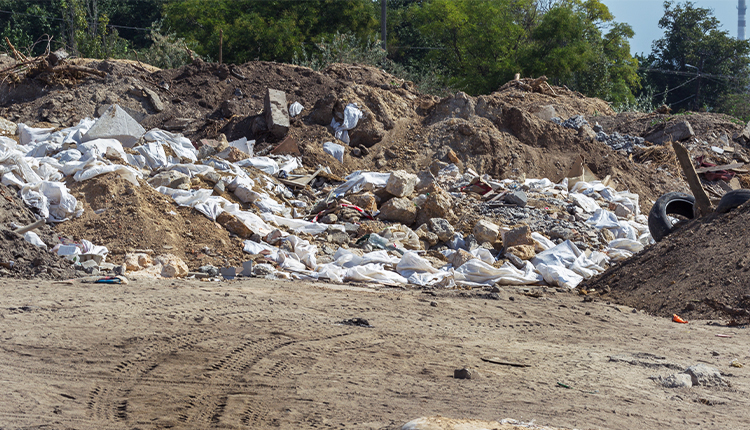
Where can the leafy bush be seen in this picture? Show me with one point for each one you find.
(167, 51)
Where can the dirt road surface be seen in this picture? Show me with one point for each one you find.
(271, 354)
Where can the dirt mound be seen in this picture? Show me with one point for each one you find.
(19, 258)
(700, 271)
(125, 218)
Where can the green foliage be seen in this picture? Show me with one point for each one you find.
(167, 51)
(265, 30)
(694, 46)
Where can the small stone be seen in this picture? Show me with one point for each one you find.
(401, 183)
(329, 219)
(209, 270)
(622, 211)
(339, 238)
(442, 228)
(679, 380)
(365, 201)
(424, 234)
(263, 270)
(706, 376)
(518, 236)
(399, 209)
(485, 231)
(515, 260)
(462, 374)
(524, 252)
(458, 258)
(517, 198)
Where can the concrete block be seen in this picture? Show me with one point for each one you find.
(276, 115)
(116, 124)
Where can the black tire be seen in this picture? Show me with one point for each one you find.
(732, 200)
(674, 203)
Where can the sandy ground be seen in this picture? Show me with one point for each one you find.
(271, 354)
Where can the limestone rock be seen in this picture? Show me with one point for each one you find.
(704, 375)
(401, 183)
(276, 115)
(172, 266)
(399, 209)
(524, 252)
(116, 124)
(485, 231)
(365, 201)
(439, 204)
(458, 258)
(426, 236)
(442, 228)
(170, 179)
(518, 236)
(137, 261)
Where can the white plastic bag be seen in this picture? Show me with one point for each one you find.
(359, 180)
(334, 150)
(559, 276)
(34, 239)
(412, 263)
(295, 109)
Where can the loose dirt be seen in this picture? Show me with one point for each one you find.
(269, 354)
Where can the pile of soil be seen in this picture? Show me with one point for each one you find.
(127, 218)
(19, 258)
(700, 271)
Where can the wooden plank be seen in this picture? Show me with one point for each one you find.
(702, 203)
(718, 168)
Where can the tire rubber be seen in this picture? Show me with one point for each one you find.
(674, 203)
(732, 200)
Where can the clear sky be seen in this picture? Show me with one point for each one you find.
(644, 15)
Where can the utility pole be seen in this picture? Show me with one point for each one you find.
(383, 21)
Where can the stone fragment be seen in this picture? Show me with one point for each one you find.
(232, 154)
(154, 99)
(701, 374)
(514, 260)
(7, 128)
(485, 231)
(425, 235)
(234, 225)
(276, 115)
(398, 209)
(401, 183)
(339, 238)
(546, 112)
(171, 266)
(365, 201)
(462, 374)
(170, 179)
(586, 132)
(116, 124)
(137, 261)
(517, 198)
(263, 269)
(458, 258)
(209, 270)
(442, 228)
(679, 380)
(329, 219)
(437, 205)
(673, 133)
(622, 211)
(518, 236)
(524, 252)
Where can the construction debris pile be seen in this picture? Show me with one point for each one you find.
(370, 182)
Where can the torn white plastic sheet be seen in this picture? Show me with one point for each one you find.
(34, 239)
(295, 109)
(483, 254)
(98, 168)
(373, 273)
(334, 150)
(412, 263)
(352, 115)
(542, 241)
(479, 272)
(14, 160)
(568, 256)
(252, 247)
(192, 170)
(633, 246)
(30, 135)
(180, 144)
(99, 148)
(264, 164)
(559, 276)
(68, 155)
(51, 199)
(305, 252)
(298, 225)
(359, 181)
(154, 154)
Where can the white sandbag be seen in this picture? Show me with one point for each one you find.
(264, 164)
(11, 178)
(441, 278)
(559, 276)
(359, 181)
(266, 204)
(290, 164)
(479, 272)
(331, 271)
(181, 145)
(295, 109)
(290, 262)
(412, 263)
(352, 115)
(305, 251)
(30, 135)
(562, 255)
(603, 219)
(298, 225)
(373, 273)
(48, 173)
(68, 155)
(244, 145)
(618, 255)
(334, 150)
(585, 267)
(100, 147)
(34, 239)
(633, 246)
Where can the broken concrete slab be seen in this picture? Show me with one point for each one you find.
(116, 124)
(276, 115)
(137, 115)
(673, 133)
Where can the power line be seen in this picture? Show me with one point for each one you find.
(61, 19)
(677, 72)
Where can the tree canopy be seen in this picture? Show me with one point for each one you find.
(696, 64)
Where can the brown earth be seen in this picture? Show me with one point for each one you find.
(695, 272)
(269, 354)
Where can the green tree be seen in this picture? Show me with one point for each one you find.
(266, 30)
(696, 62)
(569, 47)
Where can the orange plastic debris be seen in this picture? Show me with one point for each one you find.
(677, 319)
